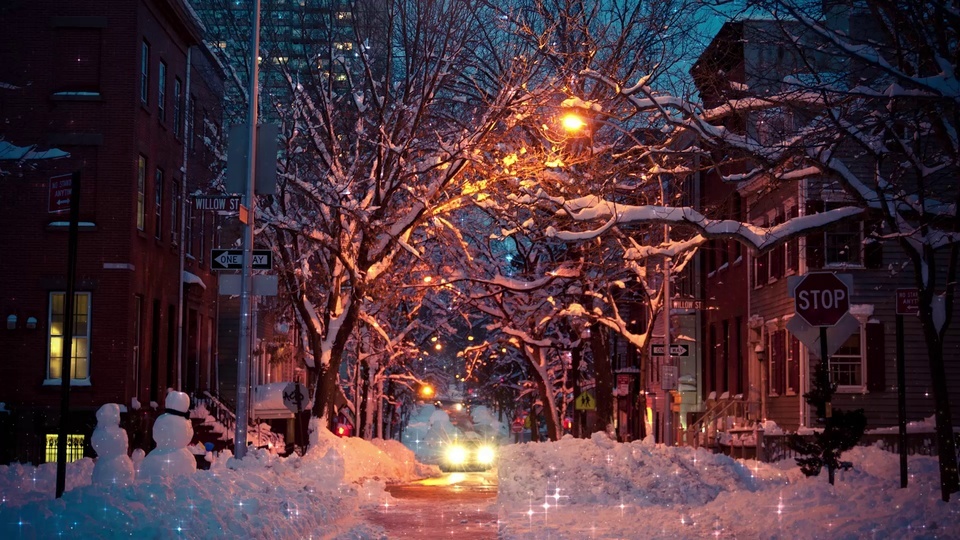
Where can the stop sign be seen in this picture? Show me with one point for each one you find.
(822, 299)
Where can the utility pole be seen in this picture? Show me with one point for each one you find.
(246, 285)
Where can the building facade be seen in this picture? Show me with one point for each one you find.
(130, 92)
(773, 366)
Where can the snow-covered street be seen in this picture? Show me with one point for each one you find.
(574, 488)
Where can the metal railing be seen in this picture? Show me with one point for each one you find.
(223, 414)
(704, 431)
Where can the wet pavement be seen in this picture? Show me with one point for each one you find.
(456, 505)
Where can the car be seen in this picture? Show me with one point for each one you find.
(470, 453)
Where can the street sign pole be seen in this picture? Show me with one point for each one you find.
(66, 350)
(907, 304)
(246, 326)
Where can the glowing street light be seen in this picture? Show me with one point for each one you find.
(573, 122)
(426, 391)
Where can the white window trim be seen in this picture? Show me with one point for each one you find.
(862, 387)
(49, 381)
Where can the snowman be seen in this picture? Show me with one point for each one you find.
(172, 432)
(113, 466)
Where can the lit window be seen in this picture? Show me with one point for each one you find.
(343, 46)
(141, 188)
(74, 447)
(344, 16)
(80, 357)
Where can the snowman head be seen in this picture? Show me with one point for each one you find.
(177, 402)
(108, 415)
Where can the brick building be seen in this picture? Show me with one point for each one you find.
(131, 93)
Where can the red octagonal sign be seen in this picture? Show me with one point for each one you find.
(822, 299)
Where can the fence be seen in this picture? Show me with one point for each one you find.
(775, 447)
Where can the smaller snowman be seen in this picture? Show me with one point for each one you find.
(113, 465)
(172, 432)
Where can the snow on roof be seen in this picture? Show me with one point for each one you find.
(13, 152)
(193, 279)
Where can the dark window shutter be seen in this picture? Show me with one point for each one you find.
(793, 383)
(814, 240)
(876, 359)
(873, 248)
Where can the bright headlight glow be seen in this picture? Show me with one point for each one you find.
(456, 455)
(486, 455)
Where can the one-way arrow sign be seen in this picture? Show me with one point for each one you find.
(675, 349)
(232, 259)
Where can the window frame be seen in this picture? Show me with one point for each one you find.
(177, 112)
(862, 363)
(141, 217)
(830, 203)
(145, 73)
(175, 213)
(158, 203)
(75, 444)
(52, 380)
(162, 91)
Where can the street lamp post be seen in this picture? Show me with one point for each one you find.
(246, 324)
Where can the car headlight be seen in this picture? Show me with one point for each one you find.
(486, 455)
(456, 455)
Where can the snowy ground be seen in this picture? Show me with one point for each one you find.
(596, 488)
(574, 488)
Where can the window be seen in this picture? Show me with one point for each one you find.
(175, 214)
(162, 91)
(78, 59)
(74, 447)
(158, 204)
(141, 189)
(843, 242)
(783, 349)
(191, 127)
(177, 90)
(80, 357)
(846, 365)
(144, 72)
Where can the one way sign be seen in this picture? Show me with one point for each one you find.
(232, 259)
(675, 349)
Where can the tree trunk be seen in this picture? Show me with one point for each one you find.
(549, 412)
(946, 444)
(575, 357)
(604, 375)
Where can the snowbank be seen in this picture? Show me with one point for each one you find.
(317, 495)
(593, 488)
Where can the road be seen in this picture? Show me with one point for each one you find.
(456, 505)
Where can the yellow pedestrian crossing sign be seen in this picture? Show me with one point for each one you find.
(585, 402)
